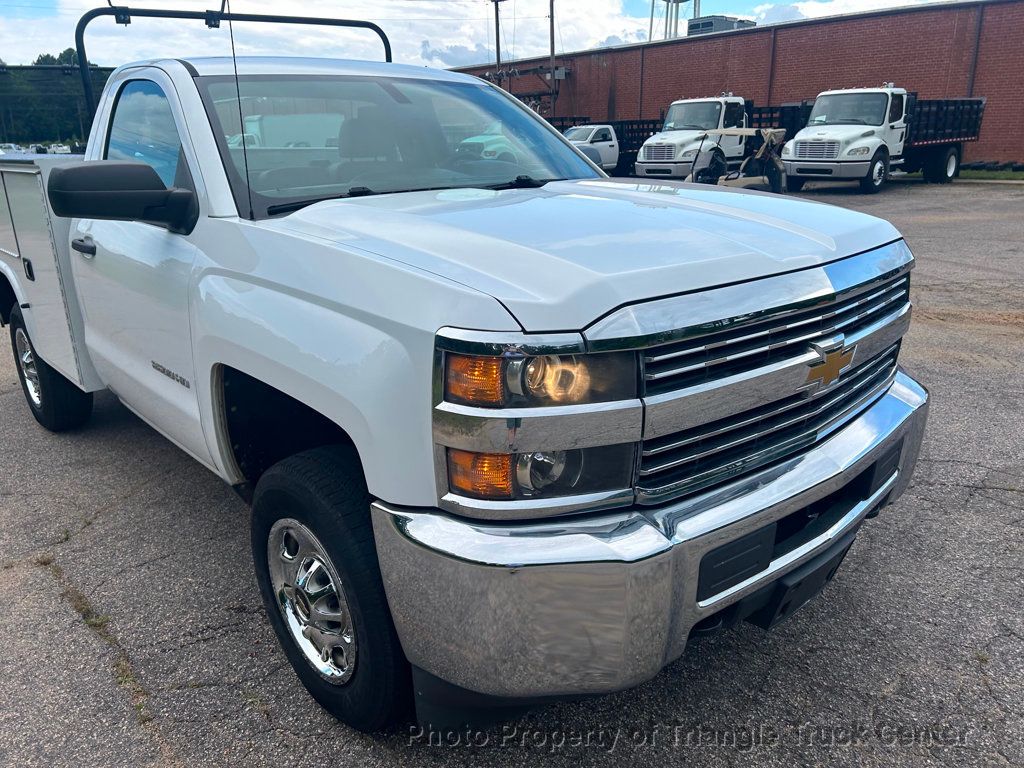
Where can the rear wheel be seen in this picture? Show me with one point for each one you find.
(55, 402)
(944, 167)
(317, 568)
(794, 183)
(878, 172)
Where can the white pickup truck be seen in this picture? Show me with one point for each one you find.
(511, 430)
(670, 153)
(600, 138)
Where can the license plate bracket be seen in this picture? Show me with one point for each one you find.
(798, 587)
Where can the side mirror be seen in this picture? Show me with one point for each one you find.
(120, 191)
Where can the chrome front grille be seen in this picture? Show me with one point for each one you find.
(659, 152)
(817, 150)
(742, 344)
(676, 464)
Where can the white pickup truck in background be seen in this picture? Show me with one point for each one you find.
(670, 153)
(498, 450)
(600, 138)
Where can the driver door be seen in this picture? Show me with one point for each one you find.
(733, 117)
(604, 143)
(896, 124)
(133, 278)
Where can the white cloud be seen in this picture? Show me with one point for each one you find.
(429, 32)
(772, 13)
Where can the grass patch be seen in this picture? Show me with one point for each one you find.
(992, 175)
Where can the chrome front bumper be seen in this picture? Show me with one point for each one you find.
(815, 169)
(601, 603)
(664, 170)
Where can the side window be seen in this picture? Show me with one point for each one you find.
(733, 115)
(896, 108)
(602, 134)
(143, 129)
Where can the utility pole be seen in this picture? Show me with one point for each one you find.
(497, 37)
(551, 58)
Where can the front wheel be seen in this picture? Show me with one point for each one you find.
(878, 172)
(317, 569)
(794, 183)
(56, 403)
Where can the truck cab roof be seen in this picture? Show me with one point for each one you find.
(862, 90)
(738, 99)
(296, 65)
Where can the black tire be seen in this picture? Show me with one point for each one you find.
(58, 405)
(324, 490)
(948, 166)
(794, 183)
(936, 169)
(876, 177)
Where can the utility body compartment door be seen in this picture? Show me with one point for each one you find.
(134, 278)
(32, 251)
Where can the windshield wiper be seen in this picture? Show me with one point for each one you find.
(521, 182)
(295, 205)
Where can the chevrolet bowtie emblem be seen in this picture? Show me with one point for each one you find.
(834, 361)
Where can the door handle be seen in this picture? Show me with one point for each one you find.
(85, 247)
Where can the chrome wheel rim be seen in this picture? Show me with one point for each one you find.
(311, 598)
(950, 166)
(878, 173)
(29, 371)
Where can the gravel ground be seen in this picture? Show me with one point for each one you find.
(133, 635)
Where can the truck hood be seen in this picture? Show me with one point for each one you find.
(675, 138)
(841, 133)
(561, 256)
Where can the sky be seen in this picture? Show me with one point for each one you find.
(438, 33)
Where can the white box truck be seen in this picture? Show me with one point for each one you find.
(670, 152)
(861, 134)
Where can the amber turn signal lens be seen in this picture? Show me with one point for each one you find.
(482, 475)
(474, 380)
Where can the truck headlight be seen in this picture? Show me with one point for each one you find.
(857, 151)
(689, 153)
(787, 149)
(501, 382)
(540, 474)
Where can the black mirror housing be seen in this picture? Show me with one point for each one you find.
(120, 191)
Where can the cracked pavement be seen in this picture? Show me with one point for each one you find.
(133, 634)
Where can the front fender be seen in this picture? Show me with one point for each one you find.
(349, 335)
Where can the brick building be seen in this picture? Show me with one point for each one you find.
(941, 51)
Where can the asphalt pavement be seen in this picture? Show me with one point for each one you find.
(132, 633)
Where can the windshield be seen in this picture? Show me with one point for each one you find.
(693, 116)
(849, 109)
(313, 137)
(579, 133)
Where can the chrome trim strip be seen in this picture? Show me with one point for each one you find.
(548, 428)
(898, 288)
(681, 409)
(786, 562)
(535, 509)
(638, 326)
(828, 397)
(658, 494)
(499, 343)
(806, 337)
